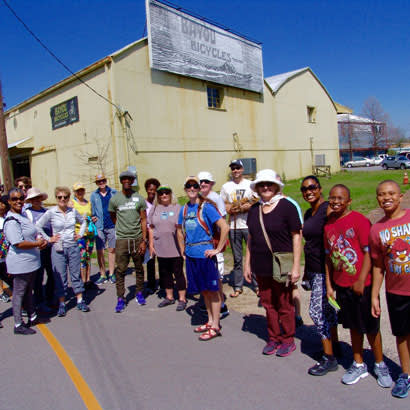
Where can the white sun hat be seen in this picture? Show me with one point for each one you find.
(267, 175)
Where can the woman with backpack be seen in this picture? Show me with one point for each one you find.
(86, 242)
(197, 222)
(23, 260)
(162, 221)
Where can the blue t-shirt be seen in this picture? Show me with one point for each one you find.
(105, 200)
(194, 233)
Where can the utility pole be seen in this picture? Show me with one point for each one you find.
(4, 151)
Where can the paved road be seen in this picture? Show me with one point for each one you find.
(147, 358)
(360, 169)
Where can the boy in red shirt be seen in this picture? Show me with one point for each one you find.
(390, 251)
(348, 268)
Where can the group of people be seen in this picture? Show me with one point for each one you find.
(346, 258)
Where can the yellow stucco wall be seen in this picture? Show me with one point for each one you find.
(172, 132)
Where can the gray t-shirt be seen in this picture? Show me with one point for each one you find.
(20, 261)
(163, 220)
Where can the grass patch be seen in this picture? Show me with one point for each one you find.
(362, 187)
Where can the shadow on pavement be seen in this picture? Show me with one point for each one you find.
(255, 324)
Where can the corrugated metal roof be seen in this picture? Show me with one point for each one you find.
(356, 119)
(276, 81)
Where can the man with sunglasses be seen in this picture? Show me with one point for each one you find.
(237, 195)
(206, 183)
(100, 199)
(128, 212)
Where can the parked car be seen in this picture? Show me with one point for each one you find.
(358, 162)
(398, 161)
(376, 160)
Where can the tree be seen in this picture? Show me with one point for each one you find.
(373, 110)
(348, 136)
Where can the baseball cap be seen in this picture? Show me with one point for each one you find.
(236, 162)
(127, 174)
(78, 185)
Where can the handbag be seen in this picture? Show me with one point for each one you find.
(282, 261)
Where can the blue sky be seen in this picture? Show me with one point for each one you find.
(356, 48)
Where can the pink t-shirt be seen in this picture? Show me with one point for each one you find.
(346, 240)
(390, 244)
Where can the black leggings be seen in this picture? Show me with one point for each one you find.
(170, 268)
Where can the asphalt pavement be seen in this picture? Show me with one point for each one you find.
(149, 358)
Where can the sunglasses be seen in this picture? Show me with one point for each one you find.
(63, 196)
(17, 198)
(235, 168)
(205, 181)
(101, 181)
(309, 188)
(262, 184)
(164, 192)
(195, 185)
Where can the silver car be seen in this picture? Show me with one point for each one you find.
(397, 162)
(358, 162)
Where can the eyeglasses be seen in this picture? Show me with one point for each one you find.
(17, 198)
(101, 181)
(164, 192)
(194, 185)
(235, 167)
(309, 188)
(63, 196)
(205, 181)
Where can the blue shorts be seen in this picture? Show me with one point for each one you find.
(105, 236)
(202, 274)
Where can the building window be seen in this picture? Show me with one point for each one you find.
(215, 97)
(311, 114)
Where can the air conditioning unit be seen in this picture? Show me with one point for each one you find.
(249, 166)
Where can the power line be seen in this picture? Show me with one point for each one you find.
(55, 57)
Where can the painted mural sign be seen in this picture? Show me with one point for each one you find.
(64, 113)
(182, 44)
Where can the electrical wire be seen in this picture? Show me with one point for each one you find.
(56, 58)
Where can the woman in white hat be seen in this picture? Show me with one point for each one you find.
(34, 212)
(274, 227)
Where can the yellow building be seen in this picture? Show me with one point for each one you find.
(166, 126)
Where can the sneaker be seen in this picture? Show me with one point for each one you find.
(354, 373)
(402, 386)
(83, 307)
(24, 313)
(23, 330)
(101, 280)
(224, 312)
(181, 305)
(383, 376)
(139, 298)
(285, 349)
(61, 310)
(112, 278)
(120, 305)
(4, 298)
(324, 366)
(33, 322)
(165, 302)
(270, 348)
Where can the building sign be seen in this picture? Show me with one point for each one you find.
(182, 44)
(64, 113)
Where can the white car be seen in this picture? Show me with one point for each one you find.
(376, 160)
(358, 162)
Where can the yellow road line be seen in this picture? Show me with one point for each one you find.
(85, 392)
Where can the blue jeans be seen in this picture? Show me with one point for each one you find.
(68, 258)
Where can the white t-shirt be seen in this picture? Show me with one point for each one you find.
(232, 192)
(213, 196)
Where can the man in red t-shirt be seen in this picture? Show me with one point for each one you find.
(348, 268)
(390, 251)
